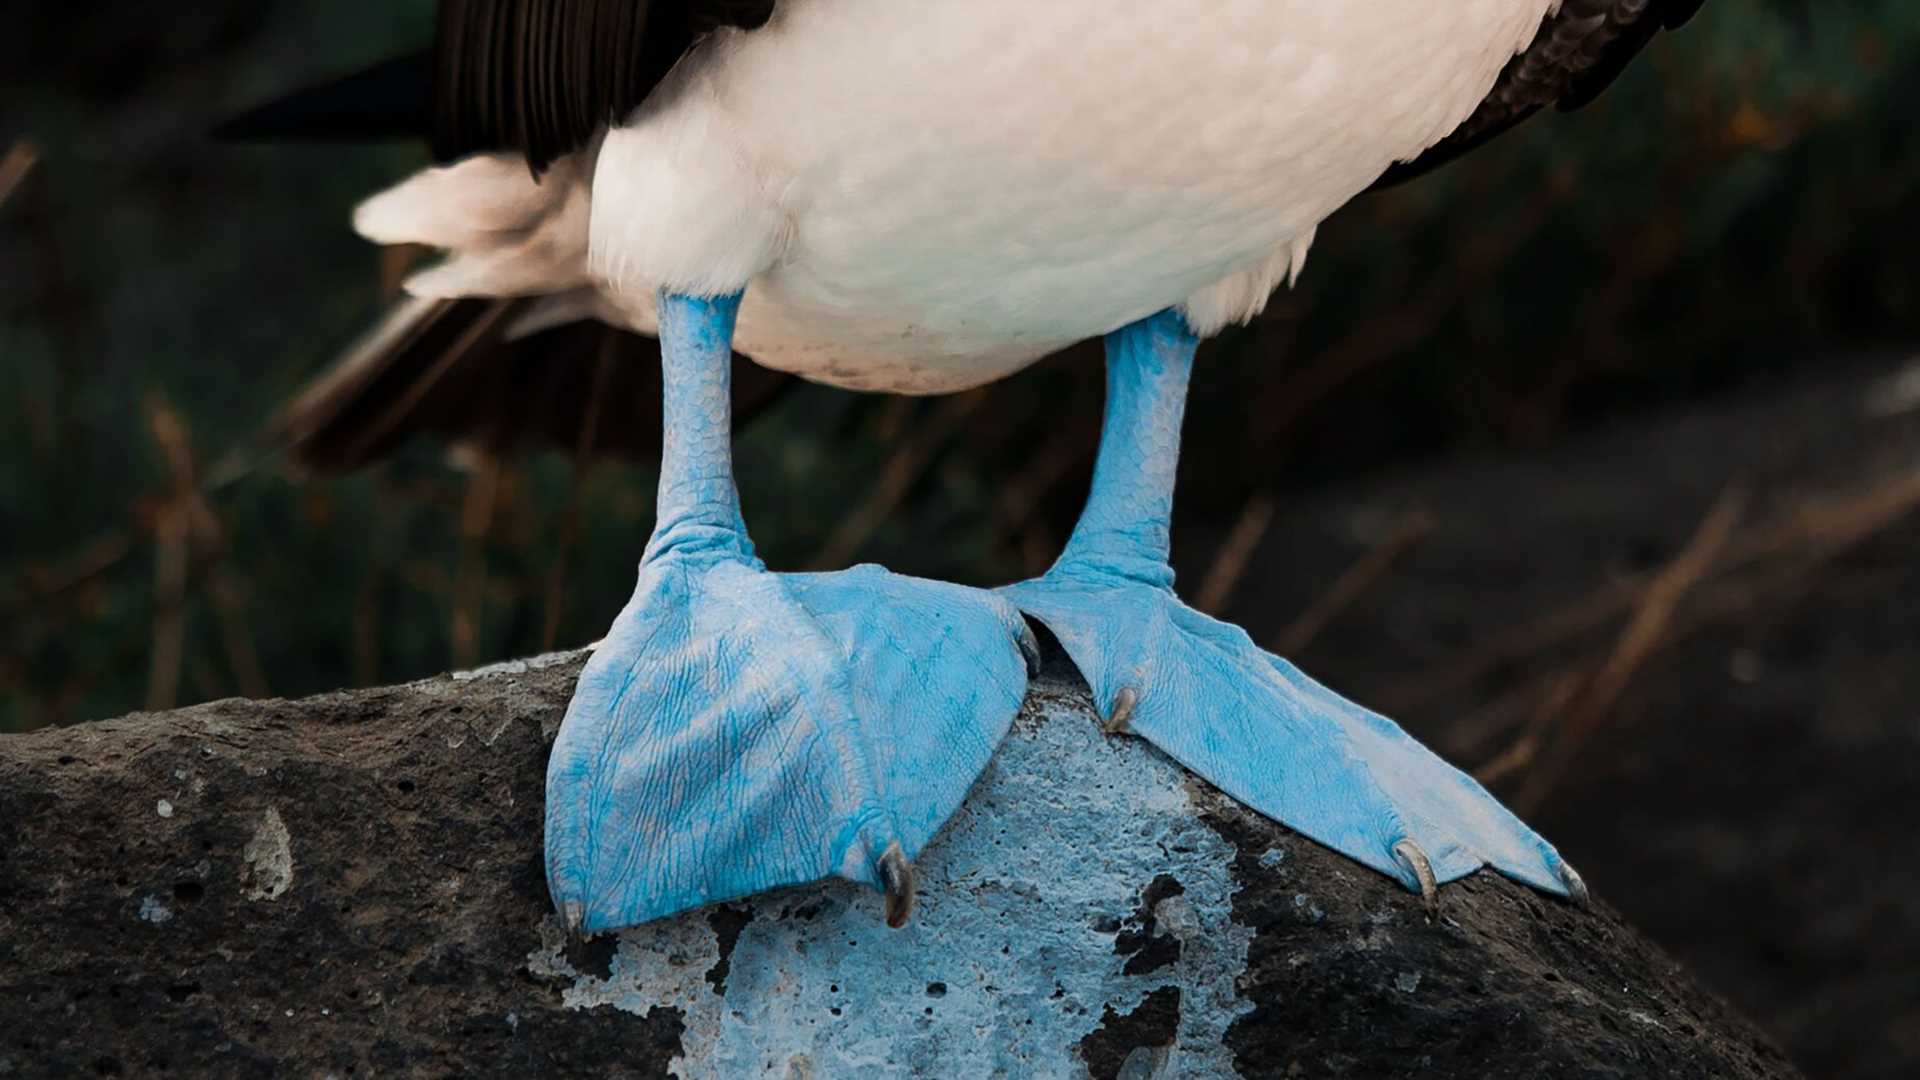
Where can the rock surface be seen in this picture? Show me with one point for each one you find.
(352, 885)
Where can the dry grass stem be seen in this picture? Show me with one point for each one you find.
(1638, 640)
(19, 164)
(1366, 572)
(172, 533)
(1236, 552)
(470, 568)
(556, 601)
(904, 469)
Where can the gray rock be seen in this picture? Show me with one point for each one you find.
(352, 885)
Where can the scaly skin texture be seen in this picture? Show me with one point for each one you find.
(740, 730)
(1201, 690)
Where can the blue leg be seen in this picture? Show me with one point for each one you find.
(1201, 690)
(740, 730)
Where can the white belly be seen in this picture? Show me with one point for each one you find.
(925, 196)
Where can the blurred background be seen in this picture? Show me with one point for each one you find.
(1594, 457)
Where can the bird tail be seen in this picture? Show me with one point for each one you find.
(488, 375)
(507, 343)
(457, 358)
(413, 371)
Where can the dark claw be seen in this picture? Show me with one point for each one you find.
(897, 872)
(1576, 887)
(1123, 704)
(1416, 860)
(1030, 648)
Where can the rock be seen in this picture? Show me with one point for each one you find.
(352, 885)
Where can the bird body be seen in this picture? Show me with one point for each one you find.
(921, 197)
(929, 196)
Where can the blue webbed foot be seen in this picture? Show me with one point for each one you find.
(1242, 718)
(1260, 730)
(740, 731)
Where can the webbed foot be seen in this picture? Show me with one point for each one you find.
(1242, 718)
(740, 731)
(1260, 730)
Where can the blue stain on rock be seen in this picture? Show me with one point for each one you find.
(1010, 961)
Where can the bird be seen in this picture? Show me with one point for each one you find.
(909, 197)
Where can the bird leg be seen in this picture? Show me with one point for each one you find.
(1247, 721)
(739, 730)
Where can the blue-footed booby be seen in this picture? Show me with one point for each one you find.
(919, 197)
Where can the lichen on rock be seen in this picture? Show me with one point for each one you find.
(269, 858)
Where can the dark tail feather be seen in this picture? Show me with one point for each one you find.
(393, 100)
(393, 382)
(445, 369)
(1674, 15)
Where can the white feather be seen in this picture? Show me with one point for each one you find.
(680, 202)
(471, 202)
(1242, 296)
(923, 197)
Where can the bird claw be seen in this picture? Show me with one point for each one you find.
(896, 871)
(1416, 860)
(1576, 886)
(1030, 649)
(1119, 721)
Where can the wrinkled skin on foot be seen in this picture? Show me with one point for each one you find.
(1249, 722)
(1260, 730)
(740, 731)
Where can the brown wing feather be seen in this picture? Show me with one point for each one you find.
(1579, 51)
(445, 369)
(373, 398)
